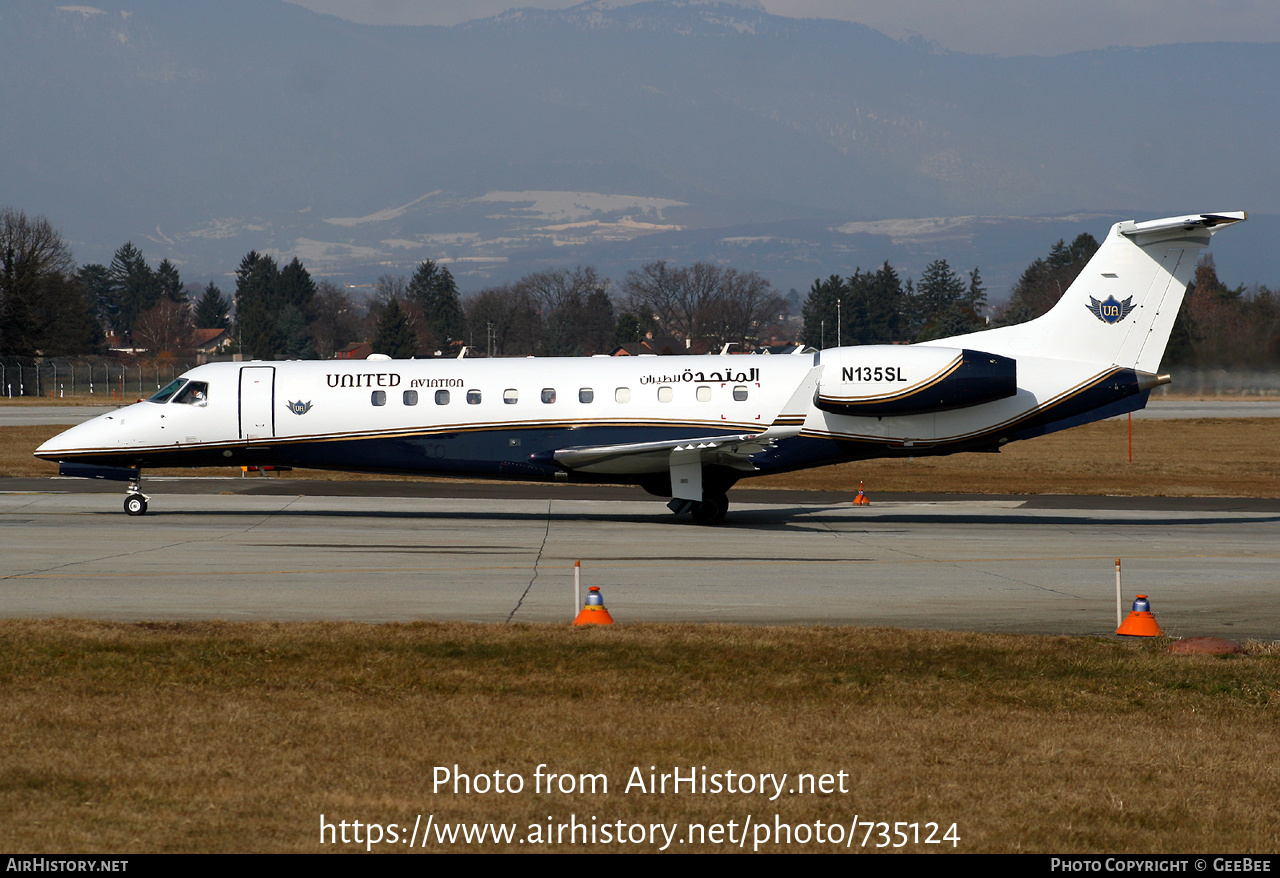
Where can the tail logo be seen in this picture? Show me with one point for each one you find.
(299, 407)
(1110, 311)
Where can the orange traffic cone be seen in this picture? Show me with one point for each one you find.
(861, 499)
(593, 611)
(1140, 622)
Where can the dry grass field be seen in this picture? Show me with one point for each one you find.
(1237, 457)
(237, 737)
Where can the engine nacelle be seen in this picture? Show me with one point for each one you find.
(880, 380)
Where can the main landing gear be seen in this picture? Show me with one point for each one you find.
(135, 502)
(710, 510)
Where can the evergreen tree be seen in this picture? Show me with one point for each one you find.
(294, 334)
(213, 308)
(820, 312)
(96, 281)
(976, 297)
(1045, 280)
(884, 306)
(295, 287)
(170, 282)
(434, 290)
(134, 287)
(394, 335)
(257, 307)
(943, 299)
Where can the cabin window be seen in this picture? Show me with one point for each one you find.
(510, 396)
(740, 393)
(473, 397)
(622, 394)
(411, 397)
(548, 394)
(167, 391)
(379, 397)
(664, 394)
(704, 394)
(442, 396)
(586, 395)
(195, 393)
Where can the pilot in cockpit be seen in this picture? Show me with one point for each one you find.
(195, 393)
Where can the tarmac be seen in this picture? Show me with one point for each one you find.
(286, 549)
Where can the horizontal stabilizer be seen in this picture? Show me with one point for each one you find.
(1184, 223)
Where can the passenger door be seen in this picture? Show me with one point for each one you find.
(257, 402)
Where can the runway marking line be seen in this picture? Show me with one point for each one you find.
(524, 568)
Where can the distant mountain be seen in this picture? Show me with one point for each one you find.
(675, 129)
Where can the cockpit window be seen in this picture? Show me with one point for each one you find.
(163, 394)
(195, 393)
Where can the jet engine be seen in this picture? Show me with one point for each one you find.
(881, 380)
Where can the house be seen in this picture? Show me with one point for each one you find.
(210, 341)
(357, 350)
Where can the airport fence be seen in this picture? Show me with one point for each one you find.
(124, 378)
(107, 378)
(1220, 382)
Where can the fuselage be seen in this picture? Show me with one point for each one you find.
(509, 417)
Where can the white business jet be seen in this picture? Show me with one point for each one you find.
(687, 428)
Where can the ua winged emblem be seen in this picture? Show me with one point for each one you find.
(1110, 311)
(299, 407)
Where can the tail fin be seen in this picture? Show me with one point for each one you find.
(1121, 308)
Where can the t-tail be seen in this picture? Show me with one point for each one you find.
(1120, 310)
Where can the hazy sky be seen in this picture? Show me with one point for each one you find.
(1004, 27)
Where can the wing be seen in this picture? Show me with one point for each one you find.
(682, 457)
(653, 457)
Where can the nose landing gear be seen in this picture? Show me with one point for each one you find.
(135, 502)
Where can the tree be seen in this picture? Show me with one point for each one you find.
(337, 320)
(1046, 279)
(95, 278)
(295, 287)
(702, 302)
(504, 321)
(165, 328)
(820, 312)
(257, 309)
(170, 282)
(64, 318)
(135, 288)
(43, 308)
(945, 305)
(394, 336)
(213, 309)
(435, 292)
(575, 309)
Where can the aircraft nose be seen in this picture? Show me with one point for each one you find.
(101, 432)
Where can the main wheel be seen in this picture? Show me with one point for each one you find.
(711, 510)
(135, 504)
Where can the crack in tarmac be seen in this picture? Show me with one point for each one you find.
(536, 562)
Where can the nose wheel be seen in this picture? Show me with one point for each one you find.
(135, 502)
